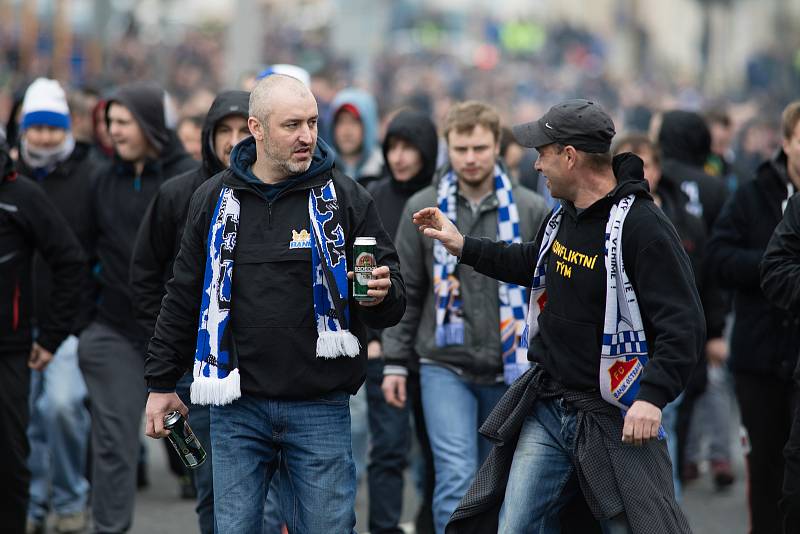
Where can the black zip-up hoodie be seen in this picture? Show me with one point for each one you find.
(685, 143)
(69, 188)
(390, 196)
(119, 202)
(272, 310)
(571, 324)
(765, 339)
(159, 236)
(30, 223)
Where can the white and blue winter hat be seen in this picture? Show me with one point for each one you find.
(45, 104)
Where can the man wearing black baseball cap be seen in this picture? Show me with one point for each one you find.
(615, 326)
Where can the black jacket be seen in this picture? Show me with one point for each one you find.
(69, 188)
(571, 324)
(390, 196)
(119, 202)
(272, 316)
(159, 236)
(765, 339)
(685, 142)
(30, 223)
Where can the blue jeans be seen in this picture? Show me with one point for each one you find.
(59, 435)
(318, 477)
(542, 477)
(454, 410)
(200, 421)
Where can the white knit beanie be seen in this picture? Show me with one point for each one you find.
(45, 104)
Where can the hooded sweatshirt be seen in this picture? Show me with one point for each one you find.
(119, 202)
(685, 143)
(571, 324)
(159, 236)
(272, 309)
(390, 195)
(363, 104)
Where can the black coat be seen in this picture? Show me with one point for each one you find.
(30, 223)
(765, 339)
(272, 315)
(571, 324)
(69, 188)
(119, 201)
(159, 236)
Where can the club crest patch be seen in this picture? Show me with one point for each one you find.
(623, 375)
(301, 239)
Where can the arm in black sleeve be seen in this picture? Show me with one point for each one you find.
(780, 268)
(672, 313)
(513, 263)
(170, 352)
(64, 255)
(398, 341)
(152, 254)
(733, 263)
(391, 310)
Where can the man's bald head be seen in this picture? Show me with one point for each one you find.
(275, 89)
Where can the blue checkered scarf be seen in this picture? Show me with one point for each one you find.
(624, 351)
(216, 373)
(449, 312)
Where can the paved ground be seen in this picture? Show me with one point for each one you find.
(159, 510)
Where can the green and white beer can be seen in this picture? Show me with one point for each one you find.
(183, 439)
(364, 260)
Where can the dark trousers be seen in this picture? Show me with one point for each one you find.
(390, 432)
(790, 504)
(765, 404)
(14, 412)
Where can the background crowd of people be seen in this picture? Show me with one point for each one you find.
(95, 147)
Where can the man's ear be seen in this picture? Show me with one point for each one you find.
(256, 130)
(571, 155)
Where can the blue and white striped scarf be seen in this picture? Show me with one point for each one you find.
(216, 373)
(449, 315)
(624, 351)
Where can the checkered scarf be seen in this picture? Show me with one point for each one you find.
(216, 373)
(624, 352)
(449, 315)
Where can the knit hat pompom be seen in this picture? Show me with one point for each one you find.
(45, 104)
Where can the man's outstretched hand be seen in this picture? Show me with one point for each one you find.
(434, 224)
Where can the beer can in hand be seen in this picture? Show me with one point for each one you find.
(364, 260)
(183, 439)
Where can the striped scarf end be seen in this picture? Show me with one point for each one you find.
(217, 391)
(335, 344)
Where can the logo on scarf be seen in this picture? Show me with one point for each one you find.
(623, 375)
(301, 239)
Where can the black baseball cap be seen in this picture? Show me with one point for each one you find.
(580, 123)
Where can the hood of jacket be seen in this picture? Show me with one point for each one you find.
(364, 104)
(418, 130)
(226, 104)
(244, 155)
(146, 102)
(685, 137)
(629, 172)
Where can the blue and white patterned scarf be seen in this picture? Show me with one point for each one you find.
(449, 314)
(216, 373)
(624, 351)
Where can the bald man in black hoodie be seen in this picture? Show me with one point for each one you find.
(410, 148)
(111, 352)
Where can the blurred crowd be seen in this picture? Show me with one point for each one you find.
(716, 165)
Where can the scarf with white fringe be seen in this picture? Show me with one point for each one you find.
(216, 373)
